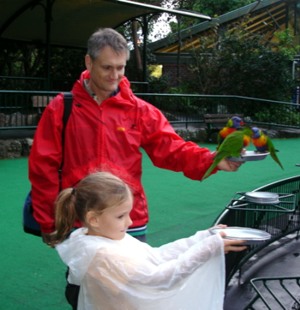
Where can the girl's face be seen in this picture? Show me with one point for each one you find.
(113, 222)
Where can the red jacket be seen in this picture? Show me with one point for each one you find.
(105, 137)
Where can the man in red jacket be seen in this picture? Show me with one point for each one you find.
(106, 129)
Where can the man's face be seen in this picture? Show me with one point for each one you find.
(106, 71)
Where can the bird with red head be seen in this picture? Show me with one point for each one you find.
(233, 124)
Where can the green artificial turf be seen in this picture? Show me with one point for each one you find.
(32, 275)
(179, 206)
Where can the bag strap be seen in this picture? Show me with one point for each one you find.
(68, 100)
(68, 104)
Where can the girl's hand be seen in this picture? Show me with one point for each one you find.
(221, 226)
(233, 245)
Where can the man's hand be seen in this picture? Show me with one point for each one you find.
(228, 165)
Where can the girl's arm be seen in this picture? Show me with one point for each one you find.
(117, 268)
(173, 249)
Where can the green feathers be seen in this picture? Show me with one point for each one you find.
(232, 146)
(263, 144)
(234, 143)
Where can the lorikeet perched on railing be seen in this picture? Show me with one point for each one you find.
(232, 146)
(264, 144)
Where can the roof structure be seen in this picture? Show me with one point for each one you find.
(70, 22)
(261, 17)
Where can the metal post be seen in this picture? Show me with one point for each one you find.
(48, 19)
(145, 32)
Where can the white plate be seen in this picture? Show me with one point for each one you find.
(250, 235)
(262, 197)
(249, 156)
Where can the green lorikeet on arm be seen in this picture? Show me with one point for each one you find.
(232, 146)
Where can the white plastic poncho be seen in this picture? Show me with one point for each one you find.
(127, 274)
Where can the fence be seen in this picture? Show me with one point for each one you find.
(188, 109)
(22, 109)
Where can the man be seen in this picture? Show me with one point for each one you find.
(106, 129)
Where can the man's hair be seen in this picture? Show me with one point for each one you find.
(106, 37)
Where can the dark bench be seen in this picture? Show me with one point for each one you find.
(215, 122)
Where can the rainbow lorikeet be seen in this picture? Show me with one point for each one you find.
(264, 144)
(233, 124)
(232, 146)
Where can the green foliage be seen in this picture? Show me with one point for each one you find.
(27, 64)
(286, 43)
(66, 66)
(20, 60)
(241, 64)
(216, 8)
(211, 8)
(278, 115)
(158, 85)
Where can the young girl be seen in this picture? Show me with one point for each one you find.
(117, 271)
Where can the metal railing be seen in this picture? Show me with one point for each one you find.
(279, 220)
(275, 293)
(188, 109)
(22, 109)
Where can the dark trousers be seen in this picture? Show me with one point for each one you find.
(72, 290)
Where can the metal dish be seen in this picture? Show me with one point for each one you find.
(262, 197)
(250, 235)
(249, 156)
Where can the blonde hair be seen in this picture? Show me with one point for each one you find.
(96, 192)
